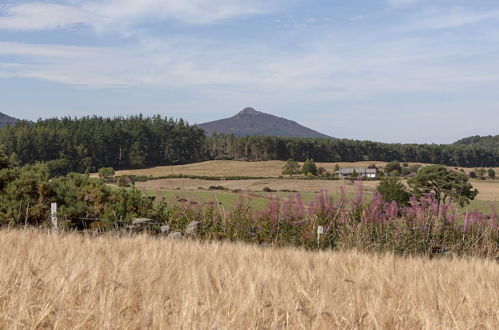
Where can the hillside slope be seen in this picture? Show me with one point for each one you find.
(483, 141)
(6, 120)
(252, 122)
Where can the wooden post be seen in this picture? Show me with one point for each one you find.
(320, 231)
(53, 215)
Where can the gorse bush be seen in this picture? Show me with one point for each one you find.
(26, 194)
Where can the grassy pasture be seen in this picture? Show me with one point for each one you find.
(228, 168)
(73, 281)
(197, 189)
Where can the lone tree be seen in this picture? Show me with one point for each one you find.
(492, 173)
(291, 167)
(309, 167)
(444, 184)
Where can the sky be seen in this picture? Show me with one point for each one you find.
(412, 71)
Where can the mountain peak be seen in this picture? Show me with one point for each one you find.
(248, 110)
(252, 122)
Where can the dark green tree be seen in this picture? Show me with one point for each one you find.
(445, 185)
(309, 167)
(4, 160)
(392, 189)
(492, 173)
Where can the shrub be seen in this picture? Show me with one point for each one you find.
(393, 166)
(106, 172)
(217, 188)
(392, 189)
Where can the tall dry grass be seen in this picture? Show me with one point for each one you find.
(74, 281)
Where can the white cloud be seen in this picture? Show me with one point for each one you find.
(322, 72)
(103, 14)
(37, 15)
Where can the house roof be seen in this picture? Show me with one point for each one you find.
(350, 170)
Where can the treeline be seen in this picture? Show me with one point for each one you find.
(484, 141)
(342, 150)
(88, 143)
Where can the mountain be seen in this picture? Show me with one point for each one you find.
(483, 141)
(252, 122)
(6, 120)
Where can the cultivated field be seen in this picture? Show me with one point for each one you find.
(197, 189)
(228, 168)
(74, 281)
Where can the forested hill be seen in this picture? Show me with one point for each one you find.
(6, 120)
(252, 122)
(483, 141)
(88, 143)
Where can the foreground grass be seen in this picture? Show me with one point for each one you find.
(75, 281)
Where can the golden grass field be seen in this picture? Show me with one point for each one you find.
(258, 184)
(227, 168)
(489, 190)
(71, 281)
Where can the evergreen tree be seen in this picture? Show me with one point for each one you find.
(444, 184)
(309, 167)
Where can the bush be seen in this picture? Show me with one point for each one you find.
(392, 189)
(217, 188)
(106, 172)
(393, 168)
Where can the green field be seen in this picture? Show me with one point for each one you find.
(258, 200)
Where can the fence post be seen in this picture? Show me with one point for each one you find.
(53, 215)
(320, 231)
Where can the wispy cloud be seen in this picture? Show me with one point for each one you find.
(111, 13)
(41, 16)
(450, 18)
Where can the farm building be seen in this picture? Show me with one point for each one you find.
(349, 172)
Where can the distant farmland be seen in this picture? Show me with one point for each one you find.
(272, 168)
(74, 281)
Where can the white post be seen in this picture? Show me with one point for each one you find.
(320, 231)
(53, 215)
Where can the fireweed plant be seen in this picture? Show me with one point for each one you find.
(424, 227)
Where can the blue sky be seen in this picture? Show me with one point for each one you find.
(424, 71)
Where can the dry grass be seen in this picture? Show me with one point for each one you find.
(489, 190)
(332, 186)
(73, 281)
(272, 168)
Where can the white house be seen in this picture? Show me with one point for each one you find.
(348, 172)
